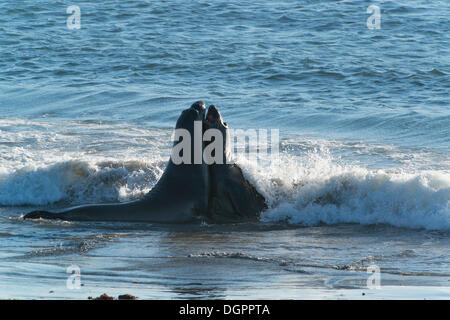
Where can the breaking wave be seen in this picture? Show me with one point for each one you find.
(307, 190)
(316, 189)
(78, 182)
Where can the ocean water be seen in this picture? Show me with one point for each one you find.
(86, 116)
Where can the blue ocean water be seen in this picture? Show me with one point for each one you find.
(364, 119)
(310, 66)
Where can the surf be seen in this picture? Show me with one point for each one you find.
(309, 190)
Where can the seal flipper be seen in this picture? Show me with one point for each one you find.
(42, 215)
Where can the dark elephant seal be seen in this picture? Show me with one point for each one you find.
(181, 195)
(232, 197)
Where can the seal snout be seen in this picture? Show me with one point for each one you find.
(199, 106)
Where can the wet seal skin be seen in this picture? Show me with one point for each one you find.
(232, 197)
(186, 192)
(180, 196)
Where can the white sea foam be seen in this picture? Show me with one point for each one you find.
(48, 163)
(79, 182)
(305, 190)
(43, 163)
(317, 189)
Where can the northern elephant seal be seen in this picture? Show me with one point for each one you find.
(181, 195)
(232, 197)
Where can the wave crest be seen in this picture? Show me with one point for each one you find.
(315, 190)
(78, 182)
(308, 190)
